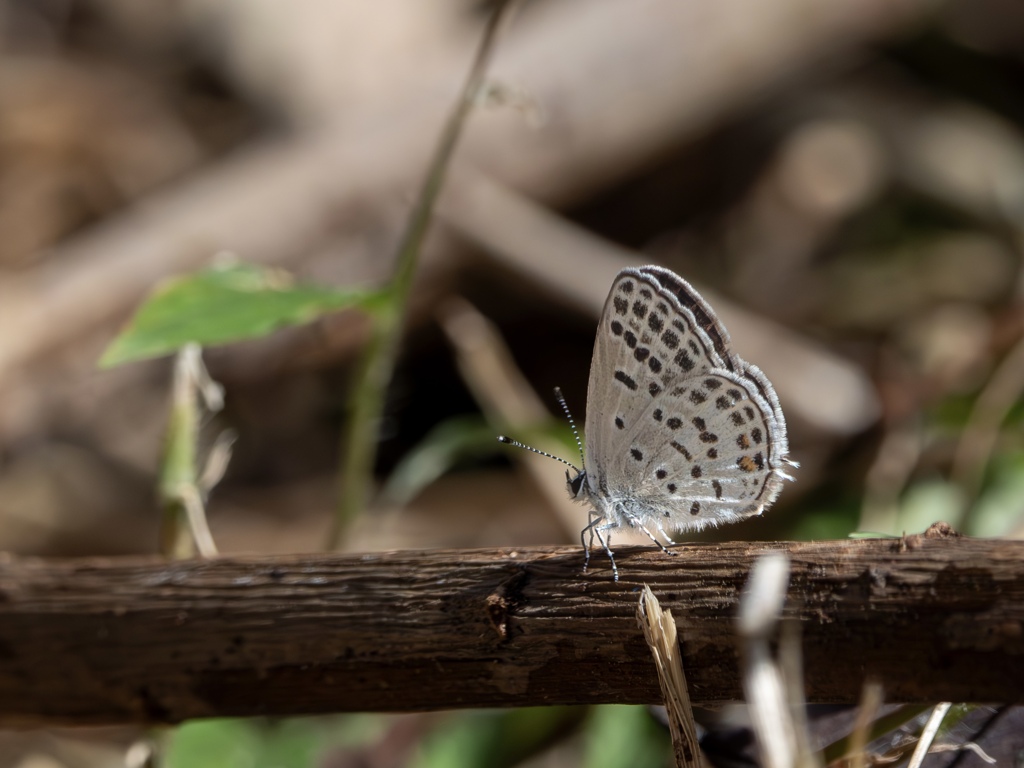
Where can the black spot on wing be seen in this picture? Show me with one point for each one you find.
(683, 360)
(682, 449)
(624, 377)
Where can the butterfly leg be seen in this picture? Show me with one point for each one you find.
(607, 550)
(666, 536)
(583, 539)
(587, 545)
(634, 521)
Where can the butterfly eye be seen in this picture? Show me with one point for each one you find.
(575, 483)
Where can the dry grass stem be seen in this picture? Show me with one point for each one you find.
(931, 728)
(660, 632)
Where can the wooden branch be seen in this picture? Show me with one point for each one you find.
(91, 641)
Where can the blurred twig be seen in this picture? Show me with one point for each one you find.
(867, 713)
(366, 400)
(980, 434)
(523, 234)
(931, 728)
(852, 747)
(763, 684)
(507, 400)
(888, 476)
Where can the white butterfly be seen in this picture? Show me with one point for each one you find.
(680, 433)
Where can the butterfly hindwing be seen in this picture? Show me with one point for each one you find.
(713, 461)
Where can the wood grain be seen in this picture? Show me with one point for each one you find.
(142, 640)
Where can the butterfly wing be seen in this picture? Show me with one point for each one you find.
(646, 338)
(678, 426)
(717, 459)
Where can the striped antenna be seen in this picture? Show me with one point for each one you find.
(565, 410)
(517, 444)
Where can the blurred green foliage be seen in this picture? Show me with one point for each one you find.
(224, 304)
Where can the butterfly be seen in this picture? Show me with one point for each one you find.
(681, 433)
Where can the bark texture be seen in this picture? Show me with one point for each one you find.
(100, 641)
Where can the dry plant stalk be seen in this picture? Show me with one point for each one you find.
(931, 728)
(660, 632)
(870, 703)
(377, 363)
(768, 691)
(183, 487)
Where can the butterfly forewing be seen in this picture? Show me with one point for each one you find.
(645, 340)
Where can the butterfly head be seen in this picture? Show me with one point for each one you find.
(577, 484)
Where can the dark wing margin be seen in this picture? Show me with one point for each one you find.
(707, 319)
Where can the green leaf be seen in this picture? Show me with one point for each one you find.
(621, 736)
(294, 742)
(225, 304)
(495, 739)
(213, 744)
(998, 510)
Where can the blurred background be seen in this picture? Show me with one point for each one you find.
(843, 181)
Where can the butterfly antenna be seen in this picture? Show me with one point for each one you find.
(517, 444)
(565, 410)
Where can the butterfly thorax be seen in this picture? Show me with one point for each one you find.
(581, 490)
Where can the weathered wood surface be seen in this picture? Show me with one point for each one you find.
(91, 641)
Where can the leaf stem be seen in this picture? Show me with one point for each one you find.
(367, 397)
